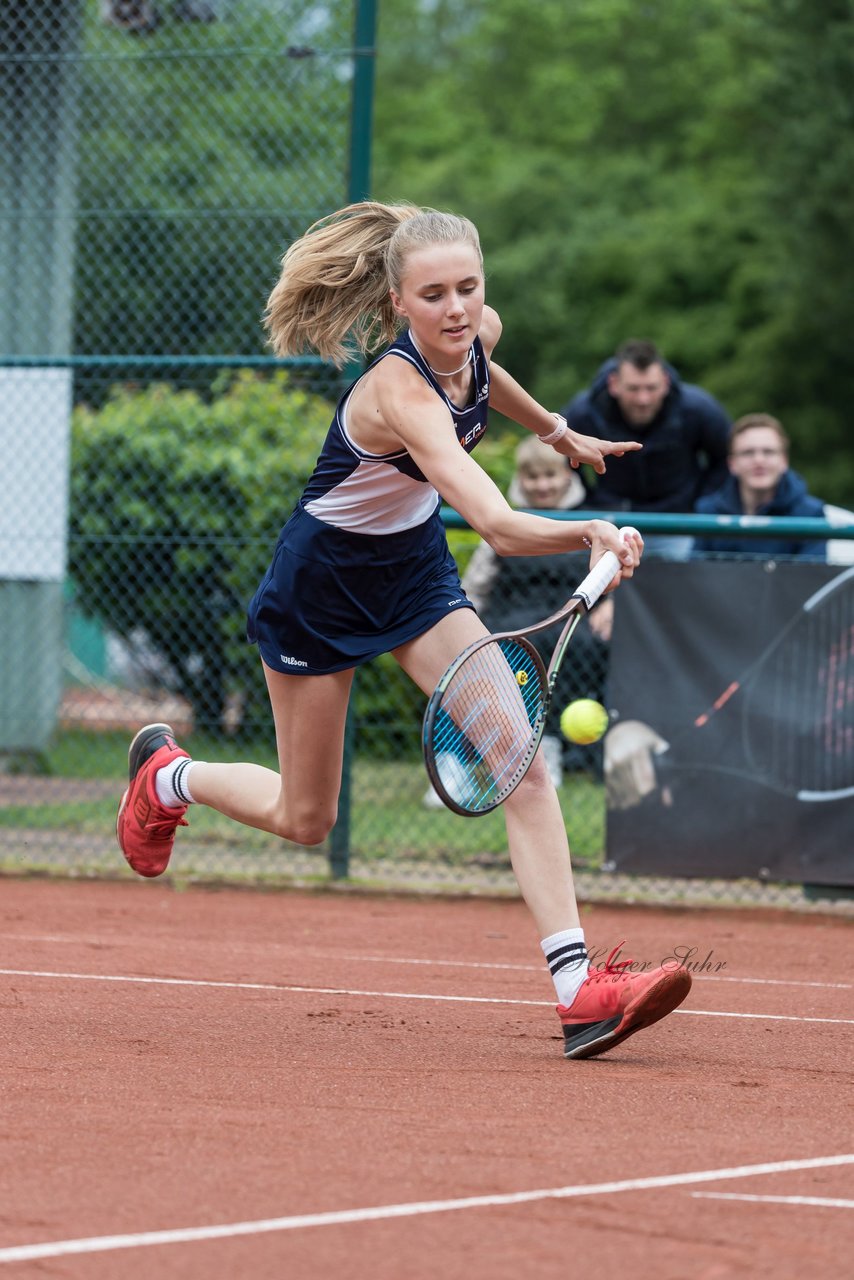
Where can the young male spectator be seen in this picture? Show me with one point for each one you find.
(683, 429)
(761, 483)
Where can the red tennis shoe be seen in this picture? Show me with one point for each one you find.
(613, 1004)
(144, 827)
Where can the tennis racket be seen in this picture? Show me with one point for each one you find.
(486, 716)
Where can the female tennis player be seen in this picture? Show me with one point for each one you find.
(362, 567)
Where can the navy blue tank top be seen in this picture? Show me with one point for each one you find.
(387, 493)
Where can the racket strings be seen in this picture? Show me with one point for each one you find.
(489, 723)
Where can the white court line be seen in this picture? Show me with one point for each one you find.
(186, 1235)
(822, 1201)
(763, 1017)
(380, 995)
(75, 939)
(537, 968)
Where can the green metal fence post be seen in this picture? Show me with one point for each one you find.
(339, 840)
(358, 189)
(361, 120)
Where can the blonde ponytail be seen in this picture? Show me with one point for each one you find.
(335, 279)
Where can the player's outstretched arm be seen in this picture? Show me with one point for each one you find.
(510, 398)
(413, 414)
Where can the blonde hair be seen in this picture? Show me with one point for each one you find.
(335, 279)
(532, 454)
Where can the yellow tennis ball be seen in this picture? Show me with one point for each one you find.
(583, 721)
(521, 677)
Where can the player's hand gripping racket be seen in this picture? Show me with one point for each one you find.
(486, 716)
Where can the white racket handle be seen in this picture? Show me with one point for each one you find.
(600, 576)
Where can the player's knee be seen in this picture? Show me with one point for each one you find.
(306, 825)
(536, 781)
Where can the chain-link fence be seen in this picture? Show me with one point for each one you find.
(157, 160)
(158, 157)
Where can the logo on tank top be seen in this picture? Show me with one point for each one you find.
(476, 431)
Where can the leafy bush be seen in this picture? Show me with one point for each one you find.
(176, 504)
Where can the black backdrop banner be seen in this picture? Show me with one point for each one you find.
(731, 747)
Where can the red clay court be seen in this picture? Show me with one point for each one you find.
(263, 1085)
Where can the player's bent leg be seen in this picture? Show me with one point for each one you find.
(300, 802)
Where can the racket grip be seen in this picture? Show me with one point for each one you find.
(600, 576)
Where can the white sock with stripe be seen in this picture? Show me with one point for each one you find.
(172, 783)
(566, 956)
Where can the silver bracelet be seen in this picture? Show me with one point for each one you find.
(558, 433)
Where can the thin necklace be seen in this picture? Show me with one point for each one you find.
(435, 372)
(453, 372)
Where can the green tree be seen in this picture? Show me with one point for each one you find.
(633, 171)
(808, 110)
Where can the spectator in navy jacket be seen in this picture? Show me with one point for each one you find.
(761, 483)
(683, 429)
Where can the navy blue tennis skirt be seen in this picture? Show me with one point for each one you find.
(333, 599)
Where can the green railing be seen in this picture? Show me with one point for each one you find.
(659, 522)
